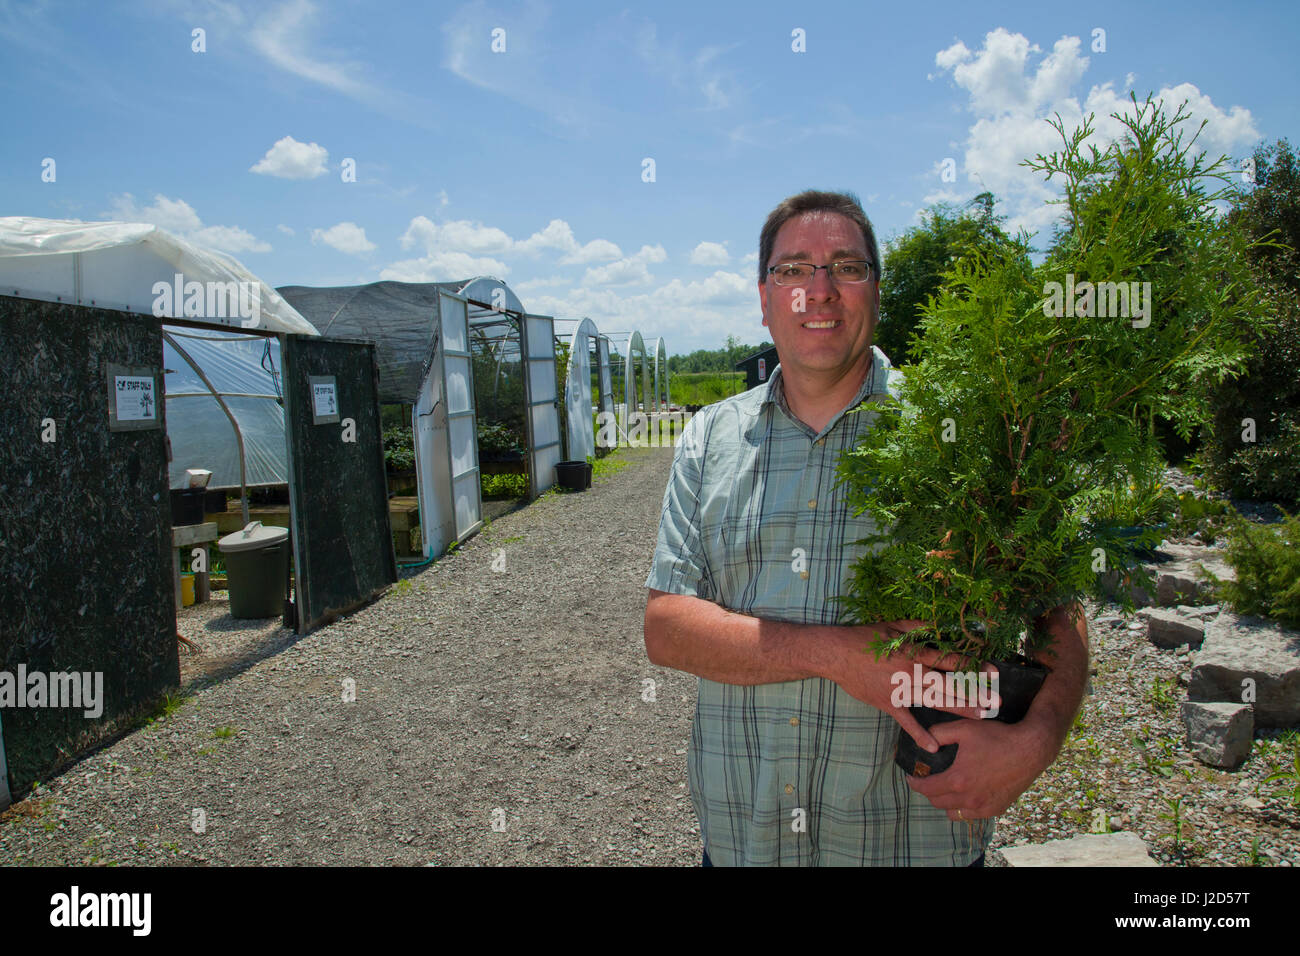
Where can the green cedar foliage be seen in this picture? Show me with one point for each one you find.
(1266, 559)
(1265, 464)
(915, 262)
(982, 484)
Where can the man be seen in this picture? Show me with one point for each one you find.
(791, 757)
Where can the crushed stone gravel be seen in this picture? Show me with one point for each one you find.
(502, 716)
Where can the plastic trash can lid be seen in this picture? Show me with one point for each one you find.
(253, 536)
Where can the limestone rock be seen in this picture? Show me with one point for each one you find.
(1244, 653)
(1219, 734)
(1169, 629)
(1088, 849)
(1182, 578)
(1113, 581)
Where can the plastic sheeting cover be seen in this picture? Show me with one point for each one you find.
(201, 434)
(118, 266)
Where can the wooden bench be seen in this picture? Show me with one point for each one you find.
(404, 515)
(185, 538)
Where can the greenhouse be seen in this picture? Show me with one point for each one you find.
(588, 385)
(458, 354)
(134, 356)
(640, 384)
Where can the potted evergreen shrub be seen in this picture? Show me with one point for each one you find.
(1032, 393)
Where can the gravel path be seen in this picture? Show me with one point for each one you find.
(484, 700)
(500, 718)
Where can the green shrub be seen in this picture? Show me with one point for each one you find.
(1266, 559)
(504, 486)
(399, 448)
(1139, 499)
(1018, 412)
(1194, 515)
(1266, 469)
(705, 388)
(1261, 458)
(498, 438)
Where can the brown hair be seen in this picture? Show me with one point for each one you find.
(812, 200)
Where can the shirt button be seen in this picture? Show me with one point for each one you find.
(820, 442)
(789, 788)
(804, 575)
(812, 502)
(794, 721)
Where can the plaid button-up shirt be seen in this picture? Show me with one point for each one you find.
(798, 773)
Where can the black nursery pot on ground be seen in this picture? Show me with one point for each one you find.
(573, 475)
(1018, 682)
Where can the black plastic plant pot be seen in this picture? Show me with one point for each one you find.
(1018, 682)
(572, 475)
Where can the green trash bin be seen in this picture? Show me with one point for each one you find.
(257, 569)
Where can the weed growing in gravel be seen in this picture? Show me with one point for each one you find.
(403, 586)
(222, 733)
(168, 705)
(1255, 858)
(1292, 775)
(1175, 817)
(1153, 763)
(1163, 694)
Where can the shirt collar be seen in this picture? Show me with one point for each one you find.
(875, 382)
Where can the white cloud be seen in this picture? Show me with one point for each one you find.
(629, 271)
(285, 229)
(475, 238)
(178, 216)
(622, 272)
(290, 159)
(543, 283)
(230, 239)
(527, 79)
(283, 36)
(695, 73)
(444, 266)
(460, 234)
(1012, 90)
(688, 315)
(253, 35)
(558, 235)
(710, 254)
(346, 237)
(174, 215)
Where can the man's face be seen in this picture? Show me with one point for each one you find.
(833, 332)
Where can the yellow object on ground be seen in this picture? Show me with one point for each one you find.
(187, 590)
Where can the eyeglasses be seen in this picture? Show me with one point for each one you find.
(801, 273)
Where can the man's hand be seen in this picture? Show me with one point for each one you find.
(995, 764)
(873, 681)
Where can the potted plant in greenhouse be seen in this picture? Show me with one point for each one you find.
(1032, 395)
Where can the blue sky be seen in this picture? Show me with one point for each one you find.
(528, 163)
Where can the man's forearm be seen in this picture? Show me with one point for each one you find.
(691, 634)
(1058, 701)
